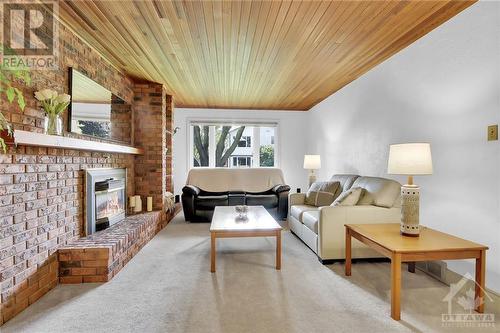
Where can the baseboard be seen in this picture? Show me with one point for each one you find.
(333, 261)
(449, 277)
(328, 261)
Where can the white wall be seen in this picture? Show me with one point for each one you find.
(291, 136)
(443, 89)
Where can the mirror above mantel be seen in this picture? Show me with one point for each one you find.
(96, 111)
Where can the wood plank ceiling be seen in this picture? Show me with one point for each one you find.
(252, 54)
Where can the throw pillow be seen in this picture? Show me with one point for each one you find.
(321, 193)
(349, 197)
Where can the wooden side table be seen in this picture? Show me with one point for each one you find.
(385, 238)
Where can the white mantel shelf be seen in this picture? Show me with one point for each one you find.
(54, 141)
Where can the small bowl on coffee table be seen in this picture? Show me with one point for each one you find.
(242, 212)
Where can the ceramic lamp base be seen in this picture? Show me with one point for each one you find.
(410, 202)
(312, 177)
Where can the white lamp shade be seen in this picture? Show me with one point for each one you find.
(410, 159)
(312, 162)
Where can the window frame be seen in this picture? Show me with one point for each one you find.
(275, 123)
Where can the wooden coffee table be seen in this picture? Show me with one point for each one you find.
(431, 245)
(259, 224)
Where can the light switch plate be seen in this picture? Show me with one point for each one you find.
(492, 132)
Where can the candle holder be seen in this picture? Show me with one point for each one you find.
(149, 204)
(131, 205)
(138, 204)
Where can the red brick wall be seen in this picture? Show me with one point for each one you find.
(41, 200)
(150, 131)
(41, 190)
(121, 120)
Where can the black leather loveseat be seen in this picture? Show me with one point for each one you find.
(199, 203)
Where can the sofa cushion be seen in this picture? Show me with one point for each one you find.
(345, 181)
(266, 200)
(349, 197)
(209, 202)
(231, 179)
(321, 193)
(297, 210)
(380, 192)
(310, 220)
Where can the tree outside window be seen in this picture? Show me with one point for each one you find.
(267, 156)
(233, 146)
(222, 153)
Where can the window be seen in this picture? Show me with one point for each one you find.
(239, 161)
(230, 145)
(245, 141)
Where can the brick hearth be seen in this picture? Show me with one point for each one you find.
(100, 256)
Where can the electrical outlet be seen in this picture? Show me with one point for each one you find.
(492, 132)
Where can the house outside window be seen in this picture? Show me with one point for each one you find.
(239, 161)
(233, 145)
(245, 141)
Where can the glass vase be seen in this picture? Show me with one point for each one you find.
(53, 124)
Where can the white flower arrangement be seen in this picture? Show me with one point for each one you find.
(52, 102)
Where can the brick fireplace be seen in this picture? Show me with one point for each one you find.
(42, 188)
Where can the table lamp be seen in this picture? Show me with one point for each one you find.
(410, 159)
(312, 162)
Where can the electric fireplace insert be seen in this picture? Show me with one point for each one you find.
(105, 198)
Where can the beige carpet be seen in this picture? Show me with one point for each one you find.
(167, 287)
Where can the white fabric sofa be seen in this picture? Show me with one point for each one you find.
(322, 228)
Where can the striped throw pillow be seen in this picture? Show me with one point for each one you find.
(321, 193)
